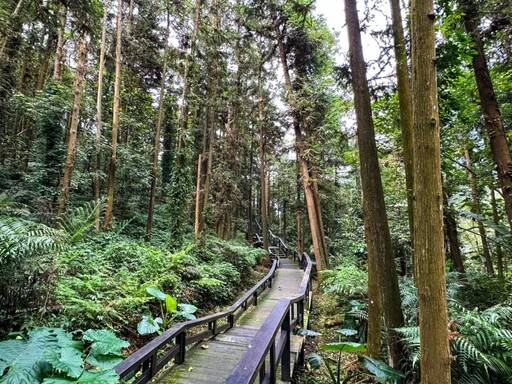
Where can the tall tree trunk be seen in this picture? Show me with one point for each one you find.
(156, 146)
(376, 226)
(453, 237)
(499, 251)
(115, 119)
(73, 128)
(99, 117)
(57, 71)
(298, 207)
(405, 102)
(263, 167)
(489, 105)
(318, 210)
(211, 134)
(300, 144)
(476, 208)
(428, 198)
(45, 61)
(186, 85)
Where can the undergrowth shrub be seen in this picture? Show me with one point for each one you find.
(347, 280)
(103, 280)
(27, 253)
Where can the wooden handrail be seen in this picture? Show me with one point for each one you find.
(274, 338)
(148, 360)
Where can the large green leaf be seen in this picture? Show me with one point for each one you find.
(308, 332)
(347, 332)
(313, 360)
(171, 304)
(104, 362)
(381, 370)
(105, 342)
(87, 377)
(99, 377)
(156, 293)
(25, 359)
(67, 360)
(148, 325)
(343, 347)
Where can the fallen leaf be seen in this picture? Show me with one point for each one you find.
(190, 369)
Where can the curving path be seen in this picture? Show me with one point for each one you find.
(213, 361)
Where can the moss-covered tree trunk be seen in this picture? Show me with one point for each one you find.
(405, 102)
(493, 120)
(378, 238)
(428, 199)
(115, 119)
(99, 119)
(73, 127)
(476, 208)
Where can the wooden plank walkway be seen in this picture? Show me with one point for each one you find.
(213, 360)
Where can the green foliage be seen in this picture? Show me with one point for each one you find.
(481, 343)
(346, 280)
(379, 370)
(173, 310)
(51, 355)
(27, 252)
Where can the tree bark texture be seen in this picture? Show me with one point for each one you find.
(115, 119)
(453, 237)
(156, 146)
(378, 238)
(501, 261)
(476, 208)
(300, 145)
(263, 168)
(428, 198)
(405, 102)
(73, 128)
(493, 120)
(99, 118)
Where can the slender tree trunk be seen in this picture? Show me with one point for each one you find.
(115, 119)
(156, 147)
(73, 128)
(250, 218)
(499, 250)
(477, 210)
(211, 134)
(60, 44)
(405, 102)
(301, 157)
(45, 61)
(452, 236)
(428, 198)
(493, 120)
(298, 205)
(199, 193)
(263, 167)
(376, 226)
(99, 117)
(318, 210)
(186, 85)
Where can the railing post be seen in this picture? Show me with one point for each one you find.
(262, 372)
(285, 357)
(231, 320)
(272, 358)
(153, 364)
(180, 341)
(255, 298)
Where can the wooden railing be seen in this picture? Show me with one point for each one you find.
(147, 361)
(273, 338)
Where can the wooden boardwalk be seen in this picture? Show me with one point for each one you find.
(212, 361)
